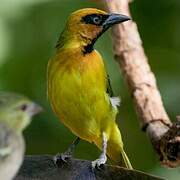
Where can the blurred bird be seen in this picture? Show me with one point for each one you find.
(78, 85)
(16, 112)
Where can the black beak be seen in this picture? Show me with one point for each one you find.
(114, 19)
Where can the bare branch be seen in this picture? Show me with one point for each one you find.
(133, 62)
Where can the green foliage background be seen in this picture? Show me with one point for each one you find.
(29, 30)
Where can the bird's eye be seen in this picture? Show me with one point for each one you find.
(23, 107)
(97, 20)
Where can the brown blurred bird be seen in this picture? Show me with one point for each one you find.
(78, 85)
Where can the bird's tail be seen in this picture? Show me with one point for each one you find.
(126, 160)
(115, 149)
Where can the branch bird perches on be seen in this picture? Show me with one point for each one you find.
(42, 167)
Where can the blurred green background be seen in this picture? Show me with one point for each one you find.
(29, 30)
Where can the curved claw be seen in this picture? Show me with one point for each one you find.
(61, 158)
(98, 163)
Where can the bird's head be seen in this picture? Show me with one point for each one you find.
(84, 26)
(16, 110)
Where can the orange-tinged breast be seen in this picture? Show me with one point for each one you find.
(77, 90)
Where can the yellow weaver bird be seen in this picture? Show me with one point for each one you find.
(78, 85)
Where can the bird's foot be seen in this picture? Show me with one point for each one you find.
(98, 163)
(103, 158)
(62, 158)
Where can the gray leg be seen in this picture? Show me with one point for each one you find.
(102, 159)
(67, 154)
